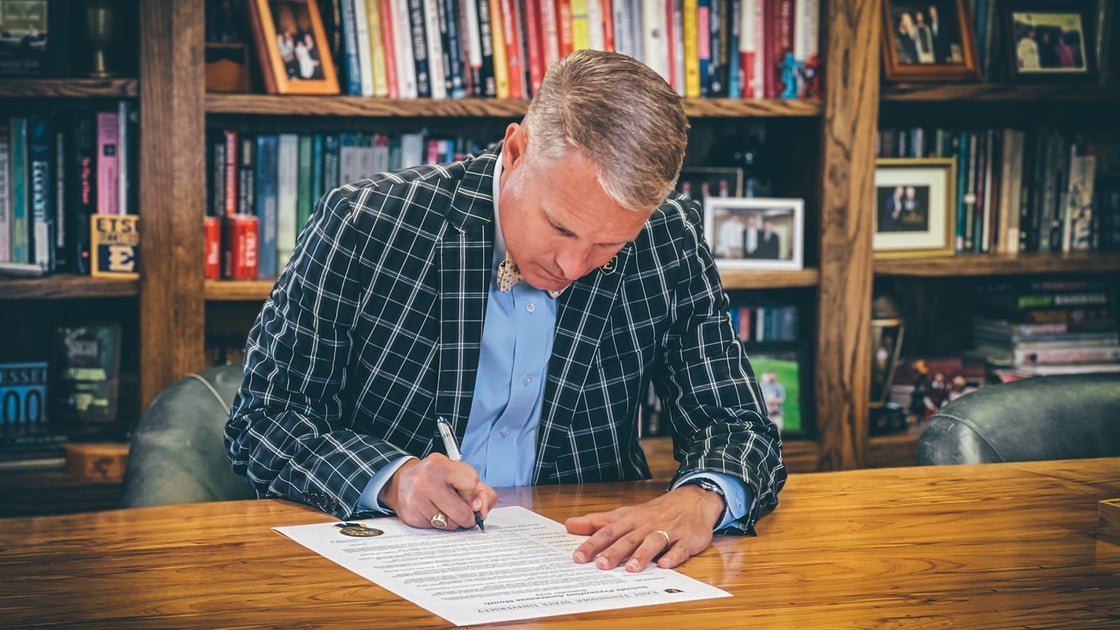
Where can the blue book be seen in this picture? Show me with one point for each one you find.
(330, 162)
(962, 185)
(734, 77)
(41, 191)
(349, 27)
(303, 194)
(17, 137)
(316, 169)
(266, 173)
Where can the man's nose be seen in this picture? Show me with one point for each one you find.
(574, 261)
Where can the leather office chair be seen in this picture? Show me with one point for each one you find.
(177, 454)
(1053, 417)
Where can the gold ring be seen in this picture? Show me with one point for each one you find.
(668, 540)
(439, 521)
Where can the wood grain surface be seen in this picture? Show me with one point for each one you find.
(986, 546)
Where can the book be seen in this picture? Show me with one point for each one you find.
(36, 40)
(23, 390)
(115, 246)
(265, 202)
(41, 191)
(18, 160)
(108, 186)
(5, 198)
(85, 378)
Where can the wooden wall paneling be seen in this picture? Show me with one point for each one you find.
(851, 105)
(172, 192)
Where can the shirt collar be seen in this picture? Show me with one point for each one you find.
(499, 240)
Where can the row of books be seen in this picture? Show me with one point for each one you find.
(501, 48)
(1050, 326)
(278, 178)
(768, 323)
(56, 170)
(1017, 190)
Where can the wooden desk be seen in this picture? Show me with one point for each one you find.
(1005, 545)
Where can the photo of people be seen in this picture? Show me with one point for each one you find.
(778, 375)
(885, 340)
(754, 233)
(926, 32)
(295, 38)
(902, 208)
(701, 183)
(1049, 42)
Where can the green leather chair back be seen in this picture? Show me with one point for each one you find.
(1052, 417)
(177, 453)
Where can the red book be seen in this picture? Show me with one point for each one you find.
(607, 12)
(389, 43)
(777, 42)
(534, 43)
(564, 22)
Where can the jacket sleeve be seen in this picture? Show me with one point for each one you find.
(707, 387)
(287, 431)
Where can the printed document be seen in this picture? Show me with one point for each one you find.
(520, 568)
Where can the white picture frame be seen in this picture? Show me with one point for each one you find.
(779, 248)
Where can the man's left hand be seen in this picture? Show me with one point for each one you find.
(677, 525)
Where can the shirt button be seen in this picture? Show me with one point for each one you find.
(504, 432)
(531, 307)
(528, 380)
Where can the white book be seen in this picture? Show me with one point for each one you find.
(123, 157)
(287, 191)
(550, 33)
(655, 48)
(471, 38)
(5, 196)
(806, 25)
(412, 149)
(623, 30)
(361, 33)
(436, 72)
(759, 28)
(595, 39)
(406, 64)
(1014, 185)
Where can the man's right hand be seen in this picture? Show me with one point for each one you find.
(423, 487)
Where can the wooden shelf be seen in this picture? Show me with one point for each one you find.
(765, 279)
(69, 88)
(998, 264)
(357, 106)
(257, 290)
(238, 290)
(1000, 92)
(64, 286)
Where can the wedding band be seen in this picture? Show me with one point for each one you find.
(668, 541)
(439, 521)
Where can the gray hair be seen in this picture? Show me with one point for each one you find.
(620, 114)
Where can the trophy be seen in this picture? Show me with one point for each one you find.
(99, 30)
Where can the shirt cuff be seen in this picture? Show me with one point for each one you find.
(735, 493)
(368, 501)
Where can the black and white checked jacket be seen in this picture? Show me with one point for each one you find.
(374, 327)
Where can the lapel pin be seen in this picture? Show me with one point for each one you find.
(611, 265)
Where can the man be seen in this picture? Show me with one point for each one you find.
(775, 395)
(730, 243)
(942, 50)
(402, 303)
(889, 213)
(750, 237)
(769, 245)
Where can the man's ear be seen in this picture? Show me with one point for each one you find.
(514, 145)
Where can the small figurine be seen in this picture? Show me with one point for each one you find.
(811, 82)
(790, 67)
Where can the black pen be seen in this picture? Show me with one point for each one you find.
(454, 455)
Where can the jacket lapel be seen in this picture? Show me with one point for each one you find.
(465, 255)
(581, 318)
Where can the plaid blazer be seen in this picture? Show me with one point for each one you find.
(374, 329)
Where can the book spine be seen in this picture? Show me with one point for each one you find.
(654, 48)
(472, 46)
(534, 44)
(489, 83)
(691, 51)
(5, 195)
(362, 45)
(330, 162)
(287, 191)
(108, 173)
(450, 26)
(406, 65)
(419, 48)
(433, 40)
(735, 34)
(41, 191)
(303, 186)
(704, 45)
(83, 191)
(388, 45)
(511, 28)
(378, 68)
(566, 42)
(349, 28)
(229, 171)
(623, 30)
(316, 168)
(1066, 355)
(266, 199)
(246, 175)
(61, 177)
(19, 159)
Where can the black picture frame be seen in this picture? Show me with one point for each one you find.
(1050, 40)
(790, 360)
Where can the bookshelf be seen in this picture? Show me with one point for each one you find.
(174, 301)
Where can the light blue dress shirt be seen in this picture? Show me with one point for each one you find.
(501, 436)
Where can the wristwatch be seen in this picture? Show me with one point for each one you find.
(710, 486)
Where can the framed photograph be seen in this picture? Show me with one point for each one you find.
(915, 201)
(886, 344)
(1048, 40)
(292, 47)
(928, 40)
(701, 183)
(778, 369)
(755, 233)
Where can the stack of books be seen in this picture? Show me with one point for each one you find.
(1045, 327)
